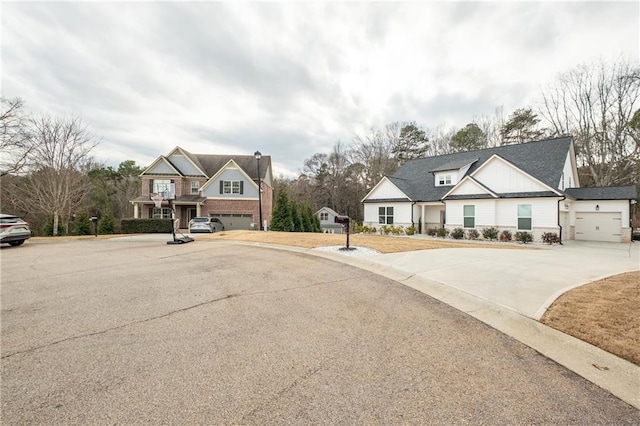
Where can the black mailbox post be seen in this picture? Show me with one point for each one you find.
(344, 220)
(94, 220)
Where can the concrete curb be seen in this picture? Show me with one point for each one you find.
(612, 373)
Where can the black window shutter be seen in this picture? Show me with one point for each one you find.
(242, 187)
(221, 186)
(150, 186)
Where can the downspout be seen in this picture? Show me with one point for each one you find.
(412, 222)
(560, 226)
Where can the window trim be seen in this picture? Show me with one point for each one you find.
(385, 215)
(165, 213)
(157, 184)
(231, 187)
(195, 185)
(465, 216)
(324, 216)
(530, 217)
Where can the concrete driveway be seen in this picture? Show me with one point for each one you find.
(527, 281)
(128, 332)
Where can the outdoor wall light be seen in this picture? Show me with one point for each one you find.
(597, 207)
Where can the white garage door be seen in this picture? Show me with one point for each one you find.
(598, 226)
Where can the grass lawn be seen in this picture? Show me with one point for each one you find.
(604, 313)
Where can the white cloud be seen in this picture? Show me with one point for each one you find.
(291, 79)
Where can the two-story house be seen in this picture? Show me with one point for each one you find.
(531, 187)
(221, 186)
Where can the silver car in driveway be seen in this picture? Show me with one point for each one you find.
(13, 230)
(205, 224)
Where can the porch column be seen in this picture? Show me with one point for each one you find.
(423, 217)
(136, 211)
(198, 208)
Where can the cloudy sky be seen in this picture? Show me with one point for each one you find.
(291, 79)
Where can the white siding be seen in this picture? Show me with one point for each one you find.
(469, 187)
(484, 212)
(401, 213)
(503, 178)
(544, 212)
(567, 180)
(385, 190)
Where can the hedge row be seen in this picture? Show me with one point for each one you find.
(146, 226)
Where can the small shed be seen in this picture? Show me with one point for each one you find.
(327, 218)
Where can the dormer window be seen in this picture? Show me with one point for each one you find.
(444, 180)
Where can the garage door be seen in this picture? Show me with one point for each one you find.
(598, 226)
(234, 221)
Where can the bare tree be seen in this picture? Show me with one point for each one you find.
(596, 104)
(57, 183)
(15, 141)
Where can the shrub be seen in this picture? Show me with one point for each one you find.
(82, 225)
(524, 237)
(47, 230)
(397, 230)
(472, 234)
(146, 226)
(505, 235)
(411, 230)
(457, 233)
(106, 224)
(442, 232)
(550, 238)
(490, 233)
(385, 229)
(432, 232)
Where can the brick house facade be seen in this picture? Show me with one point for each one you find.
(223, 186)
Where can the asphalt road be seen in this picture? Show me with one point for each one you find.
(127, 332)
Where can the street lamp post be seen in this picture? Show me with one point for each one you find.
(258, 155)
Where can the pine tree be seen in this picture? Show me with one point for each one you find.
(281, 219)
(82, 224)
(106, 224)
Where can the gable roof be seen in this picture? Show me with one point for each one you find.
(544, 160)
(627, 192)
(328, 210)
(211, 164)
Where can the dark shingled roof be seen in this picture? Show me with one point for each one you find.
(211, 164)
(628, 192)
(543, 160)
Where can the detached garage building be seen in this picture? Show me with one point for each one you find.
(601, 214)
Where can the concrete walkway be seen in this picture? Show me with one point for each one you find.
(526, 281)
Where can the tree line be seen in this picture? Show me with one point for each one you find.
(49, 176)
(596, 104)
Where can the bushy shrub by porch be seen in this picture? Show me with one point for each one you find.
(146, 226)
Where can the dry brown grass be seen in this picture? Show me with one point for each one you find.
(384, 244)
(605, 313)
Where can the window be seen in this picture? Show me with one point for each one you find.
(469, 214)
(444, 180)
(524, 217)
(160, 185)
(162, 213)
(231, 187)
(195, 186)
(324, 216)
(385, 215)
